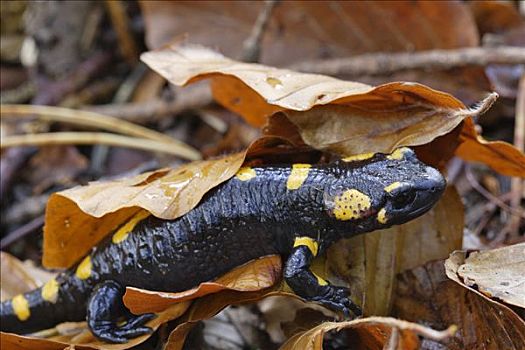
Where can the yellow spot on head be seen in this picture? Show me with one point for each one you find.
(245, 174)
(84, 268)
(21, 307)
(381, 216)
(358, 157)
(351, 204)
(298, 176)
(50, 291)
(393, 186)
(122, 233)
(307, 241)
(398, 154)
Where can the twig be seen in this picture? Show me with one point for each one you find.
(118, 16)
(99, 89)
(405, 325)
(251, 47)
(52, 92)
(96, 138)
(91, 119)
(20, 94)
(517, 184)
(475, 184)
(151, 111)
(385, 63)
(12, 160)
(25, 209)
(21, 232)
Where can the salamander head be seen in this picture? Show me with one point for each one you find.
(376, 191)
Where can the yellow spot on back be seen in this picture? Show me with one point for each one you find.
(298, 176)
(381, 216)
(321, 281)
(245, 174)
(84, 269)
(50, 291)
(21, 307)
(398, 154)
(393, 186)
(358, 157)
(123, 232)
(307, 241)
(351, 204)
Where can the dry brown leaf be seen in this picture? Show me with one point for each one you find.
(250, 282)
(334, 115)
(95, 210)
(313, 29)
(253, 276)
(208, 306)
(499, 155)
(368, 333)
(497, 273)
(495, 16)
(425, 295)
(22, 276)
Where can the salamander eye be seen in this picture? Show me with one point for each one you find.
(403, 199)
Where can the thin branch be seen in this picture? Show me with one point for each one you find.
(405, 325)
(21, 232)
(386, 63)
(475, 184)
(251, 47)
(97, 138)
(120, 21)
(151, 111)
(517, 184)
(92, 119)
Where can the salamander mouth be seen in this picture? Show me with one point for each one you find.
(420, 211)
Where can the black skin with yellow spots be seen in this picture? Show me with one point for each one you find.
(245, 218)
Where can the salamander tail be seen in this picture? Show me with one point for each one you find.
(40, 309)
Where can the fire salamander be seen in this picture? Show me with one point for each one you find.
(296, 211)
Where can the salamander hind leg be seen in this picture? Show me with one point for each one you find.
(106, 311)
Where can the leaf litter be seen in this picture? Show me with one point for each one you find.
(81, 207)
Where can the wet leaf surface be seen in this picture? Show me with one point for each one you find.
(97, 209)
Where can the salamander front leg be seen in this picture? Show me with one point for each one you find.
(311, 287)
(105, 310)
